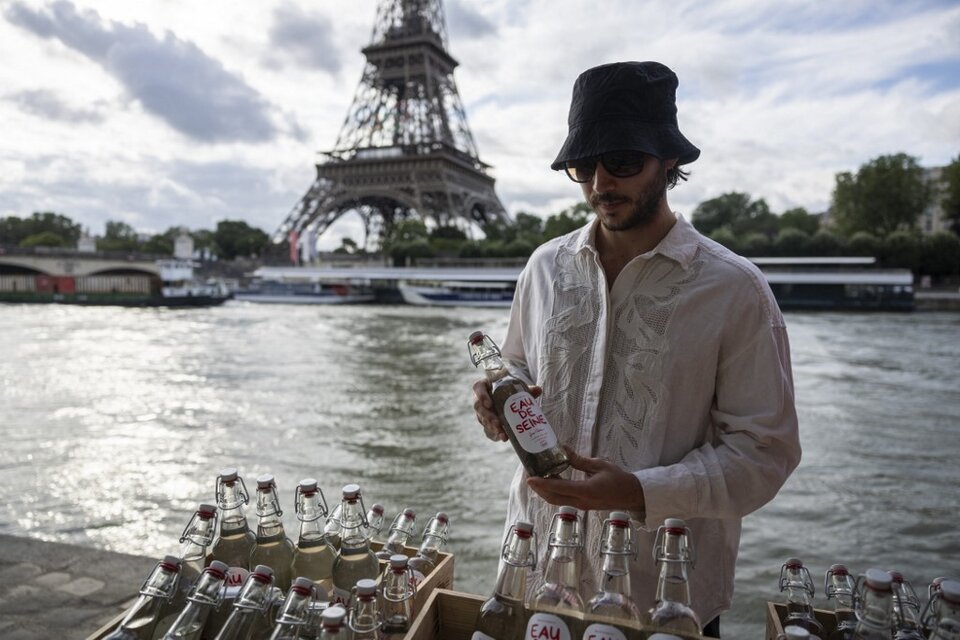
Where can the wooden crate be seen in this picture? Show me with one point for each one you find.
(447, 615)
(777, 612)
(440, 578)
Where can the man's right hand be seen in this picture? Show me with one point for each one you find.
(486, 416)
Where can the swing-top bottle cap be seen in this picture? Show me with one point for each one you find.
(793, 563)
(206, 511)
(351, 491)
(171, 563)
(229, 474)
(950, 591)
(398, 561)
(265, 481)
(377, 508)
(217, 568)
(878, 579)
(522, 527)
(366, 587)
(567, 513)
(262, 573)
(308, 485)
(620, 518)
(896, 577)
(442, 517)
(839, 570)
(410, 513)
(302, 585)
(333, 616)
(674, 523)
(476, 336)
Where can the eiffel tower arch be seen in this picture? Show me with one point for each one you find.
(405, 148)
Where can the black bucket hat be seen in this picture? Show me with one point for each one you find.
(625, 106)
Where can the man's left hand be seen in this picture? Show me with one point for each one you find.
(607, 487)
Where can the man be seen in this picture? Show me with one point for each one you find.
(662, 356)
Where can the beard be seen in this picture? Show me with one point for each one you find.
(645, 204)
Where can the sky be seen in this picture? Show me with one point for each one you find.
(162, 113)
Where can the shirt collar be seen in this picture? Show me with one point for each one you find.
(680, 244)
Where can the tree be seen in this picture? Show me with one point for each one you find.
(14, 230)
(755, 244)
(119, 236)
(951, 200)
(737, 212)
(726, 237)
(888, 193)
(43, 239)
(864, 243)
(824, 243)
(235, 238)
(800, 218)
(791, 242)
(901, 249)
(941, 254)
(566, 221)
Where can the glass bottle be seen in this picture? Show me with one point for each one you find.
(674, 555)
(355, 561)
(796, 581)
(333, 625)
(793, 632)
(314, 555)
(612, 612)
(364, 614)
(400, 532)
(332, 527)
(375, 522)
(906, 609)
(204, 598)
(272, 547)
(929, 614)
(397, 593)
(556, 608)
(945, 602)
(432, 539)
(157, 590)
(527, 428)
(875, 606)
(501, 616)
(235, 540)
(249, 616)
(839, 585)
(295, 614)
(196, 538)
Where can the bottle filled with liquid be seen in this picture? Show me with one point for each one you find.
(795, 580)
(501, 617)
(314, 555)
(249, 616)
(272, 547)
(235, 540)
(294, 617)
(611, 613)
(355, 561)
(874, 606)
(157, 590)
(674, 556)
(203, 599)
(397, 593)
(532, 437)
(333, 624)
(556, 609)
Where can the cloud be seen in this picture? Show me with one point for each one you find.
(173, 79)
(49, 105)
(305, 38)
(465, 22)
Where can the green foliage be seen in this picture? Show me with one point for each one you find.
(44, 239)
(235, 238)
(941, 254)
(448, 232)
(755, 244)
(888, 193)
(727, 238)
(737, 212)
(951, 198)
(825, 243)
(791, 242)
(118, 236)
(863, 243)
(800, 218)
(566, 221)
(901, 249)
(14, 230)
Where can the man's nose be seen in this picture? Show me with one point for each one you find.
(602, 180)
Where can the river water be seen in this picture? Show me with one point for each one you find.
(116, 421)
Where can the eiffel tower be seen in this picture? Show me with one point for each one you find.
(405, 148)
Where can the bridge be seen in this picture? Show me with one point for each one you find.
(69, 262)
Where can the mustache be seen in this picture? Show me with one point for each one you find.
(597, 199)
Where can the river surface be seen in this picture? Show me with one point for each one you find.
(116, 421)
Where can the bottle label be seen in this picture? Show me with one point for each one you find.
(480, 635)
(339, 596)
(526, 419)
(546, 626)
(603, 632)
(416, 579)
(235, 577)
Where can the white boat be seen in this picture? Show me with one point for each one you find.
(457, 293)
(305, 292)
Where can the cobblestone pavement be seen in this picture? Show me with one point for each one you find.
(54, 591)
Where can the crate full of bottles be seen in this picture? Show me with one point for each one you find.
(339, 578)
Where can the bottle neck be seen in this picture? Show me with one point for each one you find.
(563, 566)
(842, 593)
(352, 532)
(269, 527)
(672, 583)
(877, 610)
(231, 505)
(311, 530)
(145, 609)
(616, 574)
(365, 616)
(430, 546)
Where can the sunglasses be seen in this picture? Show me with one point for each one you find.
(620, 164)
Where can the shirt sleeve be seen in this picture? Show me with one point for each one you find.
(754, 445)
